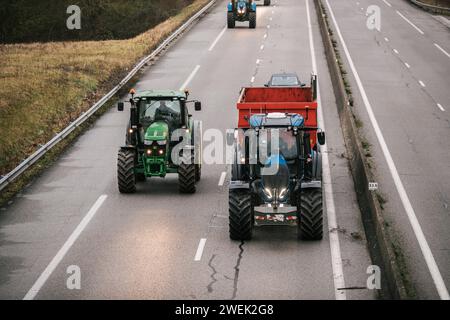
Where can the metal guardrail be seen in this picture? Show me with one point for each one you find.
(431, 7)
(21, 168)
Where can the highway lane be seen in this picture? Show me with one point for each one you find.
(404, 70)
(145, 246)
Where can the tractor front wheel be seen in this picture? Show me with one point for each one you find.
(125, 171)
(252, 19)
(241, 215)
(230, 20)
(310, 219)
(187, 177)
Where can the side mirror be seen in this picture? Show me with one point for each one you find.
(198, 106)
(120, 106)
(321, 138)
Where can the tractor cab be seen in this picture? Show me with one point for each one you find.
(279, 136)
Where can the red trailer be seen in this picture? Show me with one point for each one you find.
(254, 100)
(292, 193)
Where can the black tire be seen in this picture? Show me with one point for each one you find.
(198, 172)
(125, 171)
(267, 2)
(310, 226)
(230, 20)
(252, 20)
(241, 215)
(187, 178)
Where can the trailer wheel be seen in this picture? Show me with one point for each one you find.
(310, 225)
(230, 20)
(267, 2)
(241, 215)
(125, 171)
(252, 20)
(187, 177)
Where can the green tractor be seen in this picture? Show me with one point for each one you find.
(241, 10)
(161, 138)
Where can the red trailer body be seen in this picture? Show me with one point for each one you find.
(285, 100)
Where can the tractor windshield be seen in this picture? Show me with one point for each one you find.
(287, 144)
(160, 110)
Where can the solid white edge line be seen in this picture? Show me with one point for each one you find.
(412, 24)
(387, 3)
(222, 179)
(31, 294)
(440, 107)
(201, 247)
(407, 65)
(211, 48)
(422, 83)
(443, 51)
(189, 79)
(335, 249)
(425, 248)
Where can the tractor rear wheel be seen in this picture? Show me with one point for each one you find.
(267, 2)
(252, 19)
(241, 215)
(187, 177)
(125, 171)
(310, 220)
(230, 20)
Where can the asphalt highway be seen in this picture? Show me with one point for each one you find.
(158, 244)
(401, 79)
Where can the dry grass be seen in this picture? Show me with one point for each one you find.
(44, 86)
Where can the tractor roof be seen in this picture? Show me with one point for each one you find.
(160, 94)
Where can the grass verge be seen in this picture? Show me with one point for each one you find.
(45, 86)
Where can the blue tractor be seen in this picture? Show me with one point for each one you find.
(276, 177)
(241, 10)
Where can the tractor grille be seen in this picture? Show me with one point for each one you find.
(155, 168)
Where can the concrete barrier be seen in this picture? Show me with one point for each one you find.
(380, 245)
(435, 8)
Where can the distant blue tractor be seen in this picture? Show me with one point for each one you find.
(241, 10)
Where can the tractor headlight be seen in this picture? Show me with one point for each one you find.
(268, 193)
(242, 10)
(149, 152)
(161, 152)
(282, 194)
